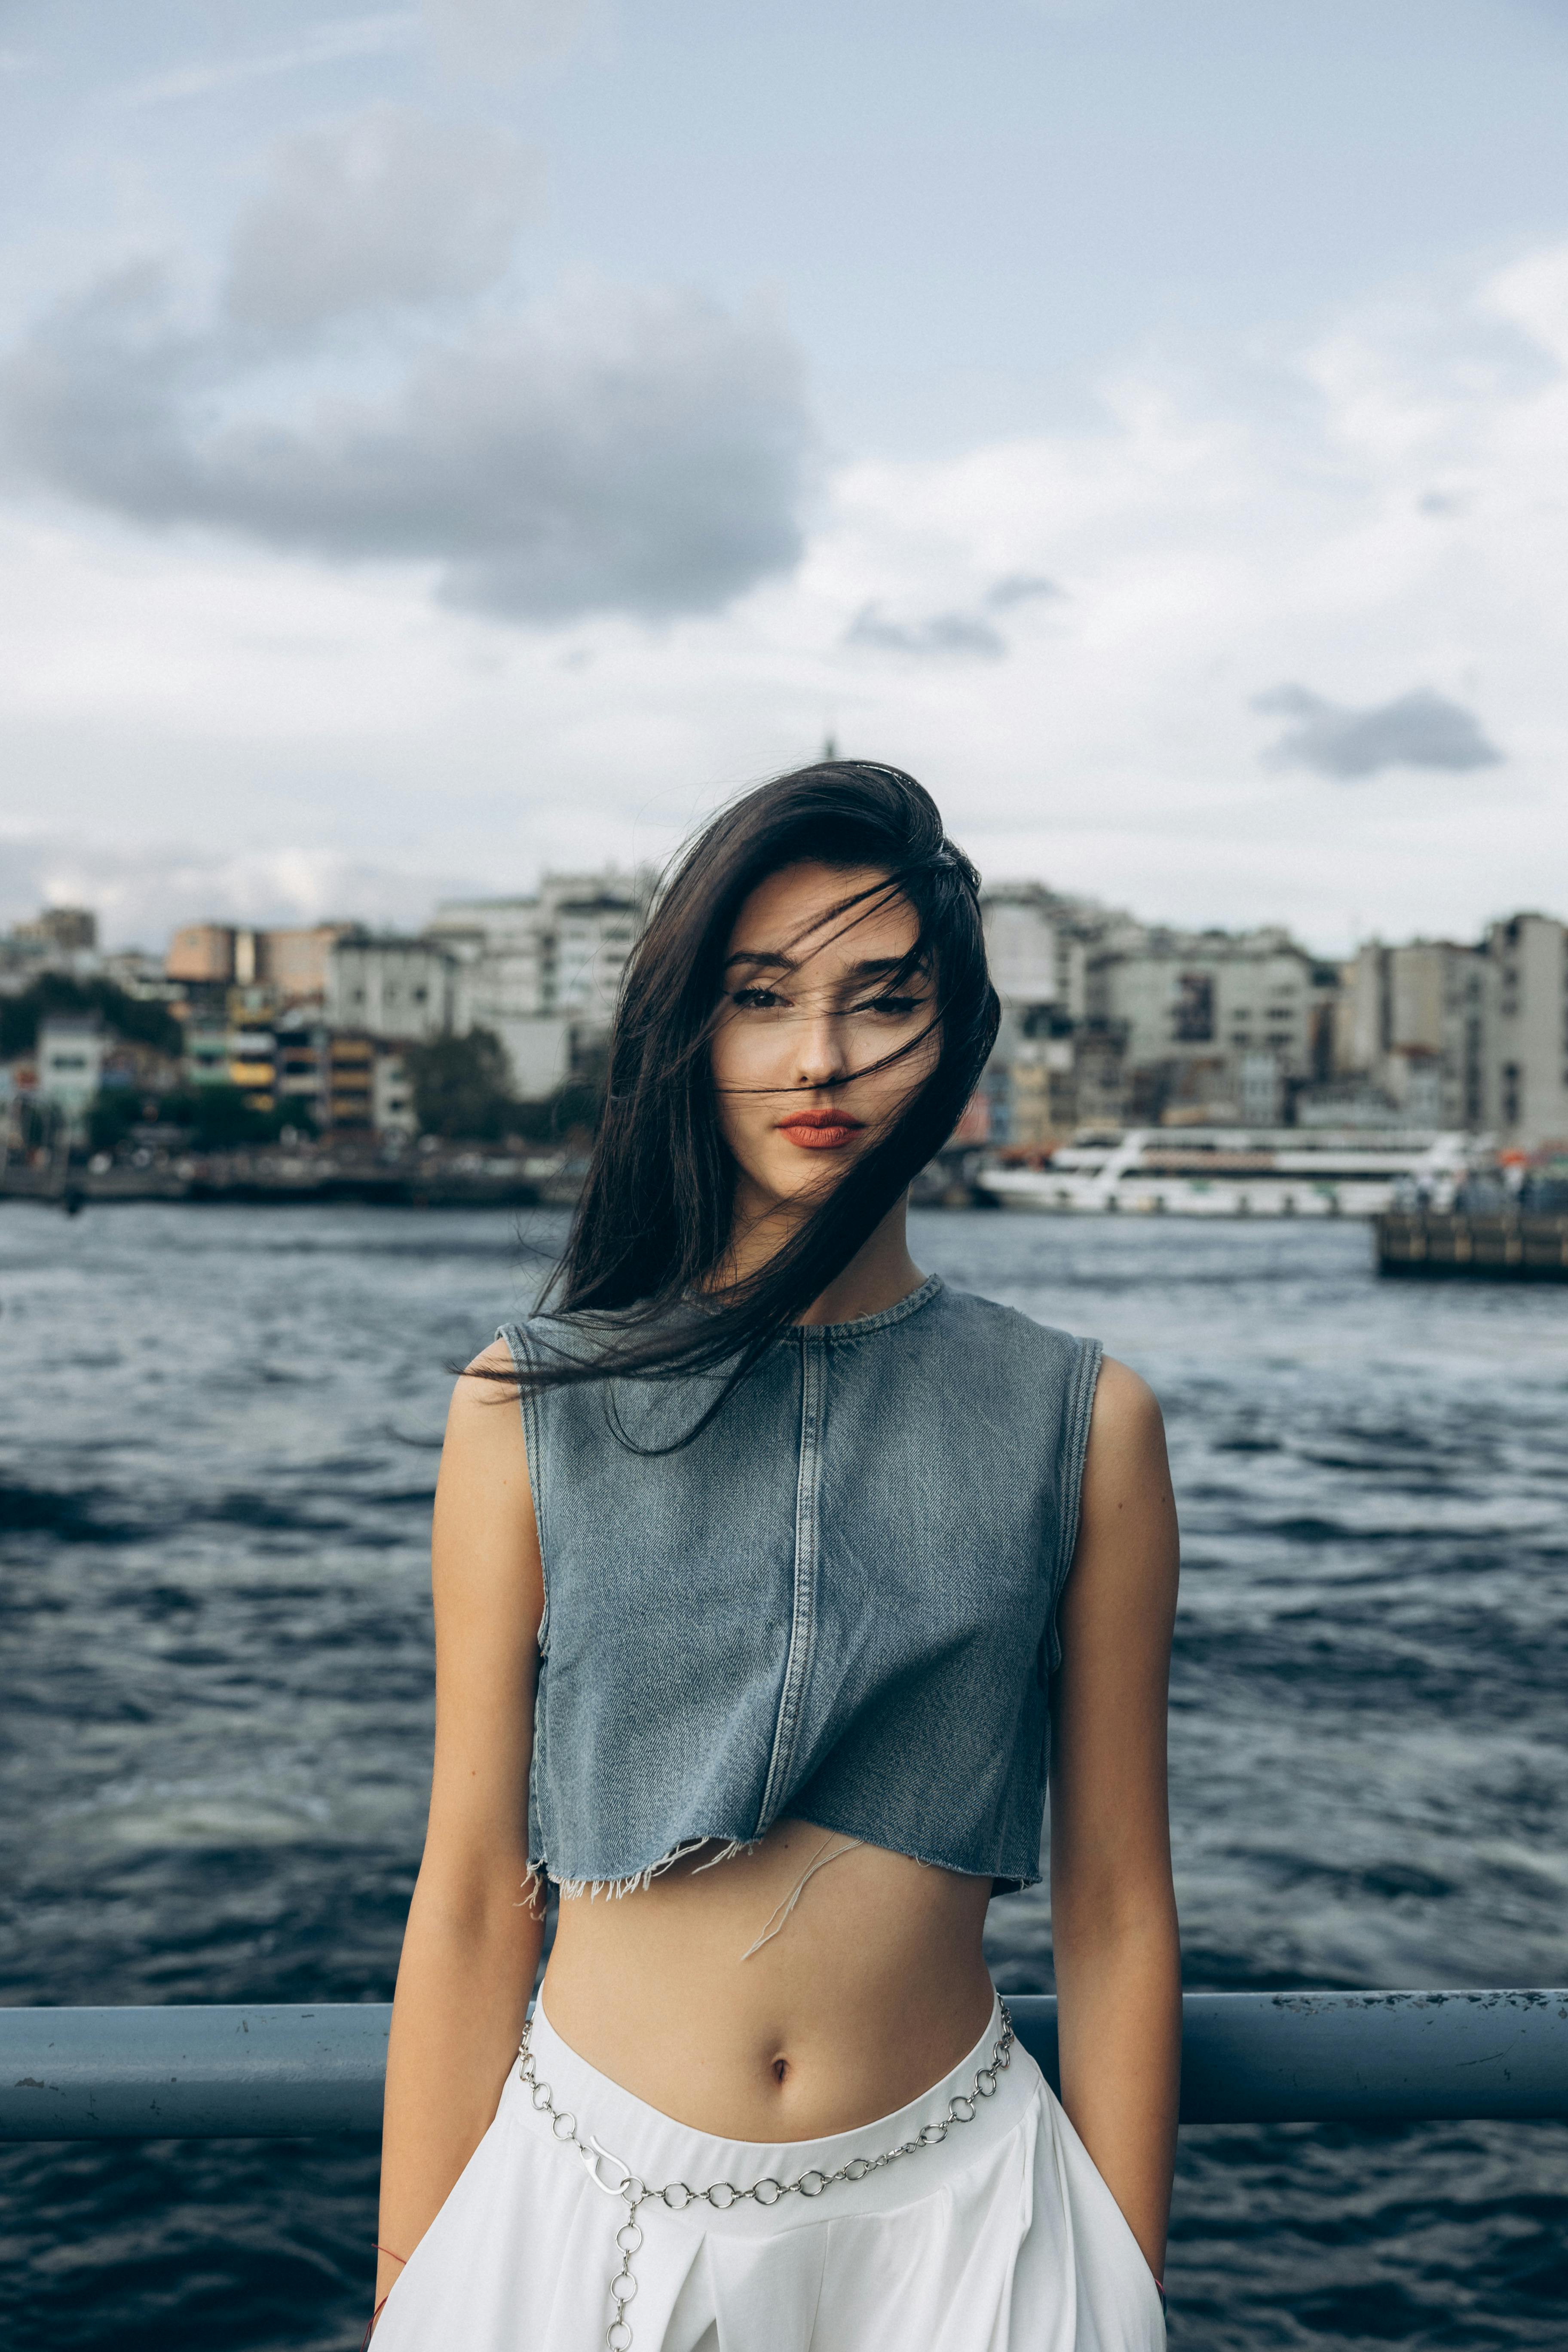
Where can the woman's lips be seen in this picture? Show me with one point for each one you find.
(819, 1130)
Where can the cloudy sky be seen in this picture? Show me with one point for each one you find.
(439, 442)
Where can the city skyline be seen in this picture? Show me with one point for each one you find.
(1105, 1020)
(441, 444)
(347, 918)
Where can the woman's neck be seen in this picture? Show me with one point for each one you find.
(880, 1273)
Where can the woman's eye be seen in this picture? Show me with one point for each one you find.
(896, 1008)
(755, 999)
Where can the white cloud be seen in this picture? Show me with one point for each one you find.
(389, 208)
(641, 454)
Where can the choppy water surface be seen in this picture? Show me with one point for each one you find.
(216, 1456)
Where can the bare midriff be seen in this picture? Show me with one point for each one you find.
(713, 1996)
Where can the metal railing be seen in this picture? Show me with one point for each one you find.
(1284, 2057)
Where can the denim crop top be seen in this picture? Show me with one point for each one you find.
(838, 1602)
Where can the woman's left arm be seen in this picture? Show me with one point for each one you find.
(1113, 1910)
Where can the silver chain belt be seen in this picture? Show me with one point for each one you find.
(722, 2194)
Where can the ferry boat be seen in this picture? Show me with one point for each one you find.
(1225, 1171)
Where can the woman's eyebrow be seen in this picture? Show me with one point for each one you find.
(774, 961)
(881, 967)
(870, 968)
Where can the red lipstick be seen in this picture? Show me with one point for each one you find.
(819, 1130)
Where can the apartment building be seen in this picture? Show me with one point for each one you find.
(1525, 1081)
(1055, 1066)
(543, 973)
(391, 987)
(62, 930)
(348, 1081)
(1413, 1022)
(1215, 1025)
(290, 962)
(69, 1061)
(252, 1059)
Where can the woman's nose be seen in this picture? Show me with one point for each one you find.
(819, 1051)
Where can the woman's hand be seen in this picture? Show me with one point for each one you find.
(1113, 1912)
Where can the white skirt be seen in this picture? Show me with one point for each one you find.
(1001, 2238)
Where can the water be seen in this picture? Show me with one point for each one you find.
(217, 1456)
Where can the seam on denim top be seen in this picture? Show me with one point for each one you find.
(525, 1360)
(803, 1612)
(1075, 1452)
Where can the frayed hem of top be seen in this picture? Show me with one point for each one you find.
(637, 1881)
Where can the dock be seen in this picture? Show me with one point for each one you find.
(1495, 1246)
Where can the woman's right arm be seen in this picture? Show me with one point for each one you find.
(471, 1946)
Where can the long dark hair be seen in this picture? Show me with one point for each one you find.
(653, 1227)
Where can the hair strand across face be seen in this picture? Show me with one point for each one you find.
(640, 1277)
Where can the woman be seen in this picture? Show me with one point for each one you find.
(754, 1628)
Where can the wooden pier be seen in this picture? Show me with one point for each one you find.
(1493, 1245)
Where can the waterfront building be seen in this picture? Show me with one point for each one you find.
(139, 974)
(1057, 1064)
(206, 1055)
(541, 1049)
(1525, 1082)
(69, 1058)
(597, 920)
(60, 938)
(294, 963)
(128, 1063)
(1412, 1025)
(542, 974)
(18, 1088)
(298, 1062)
(68, 931)
(291, 962)
(392, 1095)
(348, 1081)
(252, 1059)
(392, 987)
(1205, 1019)
(1038, 943)
(203, 953)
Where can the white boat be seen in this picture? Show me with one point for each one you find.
(1223, 1171)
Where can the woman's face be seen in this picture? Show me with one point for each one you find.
(810, 999)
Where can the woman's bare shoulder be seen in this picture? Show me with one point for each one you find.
(483, 1424)
(1126, 1556)
(484, 1503)
(1127, 1418)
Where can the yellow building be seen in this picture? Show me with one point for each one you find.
(350, 1088)
(252, 1059)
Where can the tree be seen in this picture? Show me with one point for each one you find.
(220, 1117)
(214, 1117)
(143, 1020)
(462, 1086)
